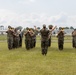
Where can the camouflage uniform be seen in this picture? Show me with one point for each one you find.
(44, 39)
(33, 38)
(28, 39)
(16, 39)
(60, 39)
(50, 33)
(10, 37)
(51, 28)
(36, 32)
(74, 38)
(32, 41)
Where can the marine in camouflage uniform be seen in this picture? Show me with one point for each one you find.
(28, 39)
(51, 28)
(16, 39)
(60, 36)
(36, 32)
(32, 37)
(10, 37)
(44, 39)
(74, 38)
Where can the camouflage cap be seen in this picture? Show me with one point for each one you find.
(9, 27)
(44, 25)
(27, 28)
(50, 26)
(60, 28)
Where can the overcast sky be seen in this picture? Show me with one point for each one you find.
(27, 13)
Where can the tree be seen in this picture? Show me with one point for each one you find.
(66, 27)
(19, 28)
(38, 28)
(71, 27)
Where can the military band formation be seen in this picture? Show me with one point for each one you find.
(14, 38)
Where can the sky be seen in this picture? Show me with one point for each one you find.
(27, 13)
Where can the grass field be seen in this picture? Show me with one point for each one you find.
(32, 62)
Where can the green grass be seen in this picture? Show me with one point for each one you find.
(3, 37)
(32, 62)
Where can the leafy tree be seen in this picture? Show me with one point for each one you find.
(38, 28)
(71, 27)
(19, 28)
(66, 27)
